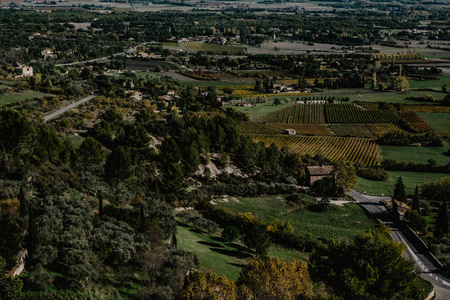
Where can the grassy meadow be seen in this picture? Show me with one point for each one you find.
(210, 251)
(6, 99)
(410, 179)
(337, 222)
(389, 97)
(440, 122)
(262, 109)
(430, 84)
(415, 154)
(214, 254)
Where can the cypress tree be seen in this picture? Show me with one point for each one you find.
(23, 202)
(415, 204)
(441, 227)
(399, 191)
(142, 220)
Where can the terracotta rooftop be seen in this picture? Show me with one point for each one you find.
(319, 170)
(402, 208)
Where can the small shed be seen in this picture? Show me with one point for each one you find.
(290, 131)
(399, 209)
(314, 173)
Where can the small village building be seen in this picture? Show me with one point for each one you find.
(314, 173)
(136, 95)
(399, 210)
(167, 98)
(48, 54)
(23, 70)
(290, 131)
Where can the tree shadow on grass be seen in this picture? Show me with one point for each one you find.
(218, 239)
(238, 247)
(237, 265)
(195, 230)
(210, 244)
(230, 252)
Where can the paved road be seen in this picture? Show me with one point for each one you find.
(70, 106)
(129, 51)
(429, 271)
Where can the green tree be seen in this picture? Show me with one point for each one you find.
(10, 287)
(23, 202)
(437, 190)
(276, 101)
(416, 203)
(10, 238)
(191, 158)
(345, 175)
(400, 83)
(302, 83)
(372, 266)
(173, 177)
(169, 151)
(275, 279)
(399, 191)
(16, 131)
(118, 163)
(442, 227)
(415, 220)
(91, 153)
(231, 234)
(257, 238)
(210, 286)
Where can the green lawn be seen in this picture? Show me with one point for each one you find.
(8, 82)
(289, 255)
(337, 222)
(214, 254)
(410, 179)
(375, 96)
(262, 109)
(6, 99)
(206, 248)
(415, 154)
(430, 84)
(440, 122)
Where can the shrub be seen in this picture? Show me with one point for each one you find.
(374, 173)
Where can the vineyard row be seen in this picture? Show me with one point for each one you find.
(334, 148)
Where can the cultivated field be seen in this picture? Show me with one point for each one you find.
(298, 114)
(415, 120)
(440, 122)
(334, 148)
(363, 130)
(252, 127)
(329, 113)
(304, 129)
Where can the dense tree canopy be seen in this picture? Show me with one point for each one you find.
(371, 266)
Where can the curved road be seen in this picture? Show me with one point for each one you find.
(428, 270)
(70, 106)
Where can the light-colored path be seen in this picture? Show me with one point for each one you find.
(70, 106)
